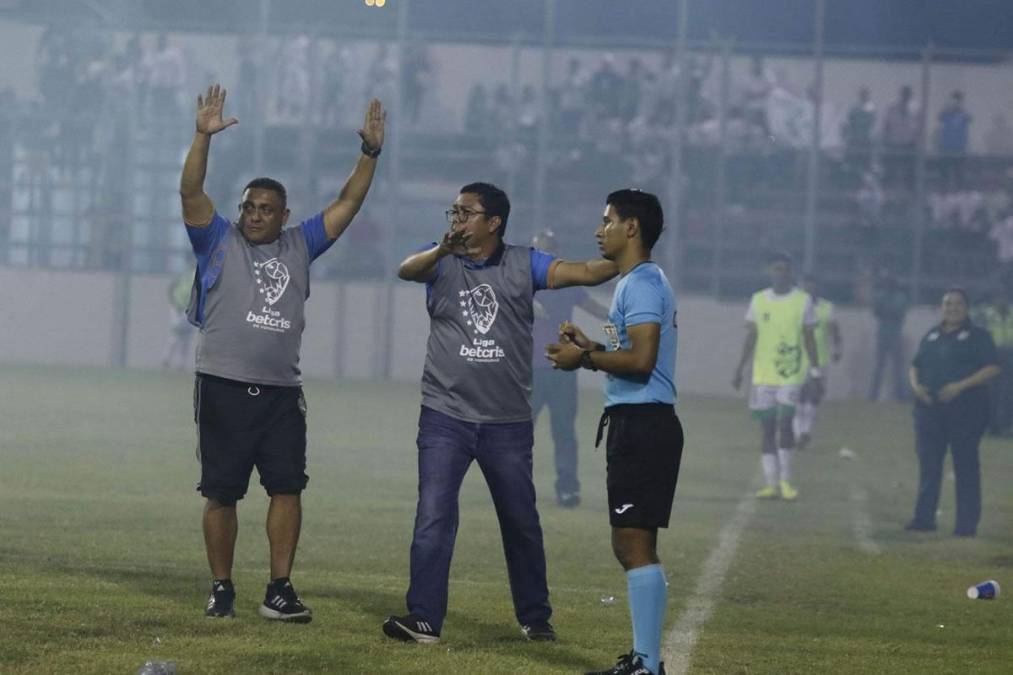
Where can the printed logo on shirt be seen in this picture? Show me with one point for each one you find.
(479, 309)
(612, 333)
(963, 335)
(272, 280)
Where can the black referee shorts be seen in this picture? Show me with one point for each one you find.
(643, 451)
(242, 425)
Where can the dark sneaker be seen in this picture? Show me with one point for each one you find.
(630, 664)
(568, 500)
(222, 601)
(281, 603)
(539, 632)
(410, 628)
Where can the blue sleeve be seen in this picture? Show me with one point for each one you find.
(540, 264)
(204, 239)
(315, 234)
(644, 302)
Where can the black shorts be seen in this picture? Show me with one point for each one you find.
(643, 451)
(242, 425)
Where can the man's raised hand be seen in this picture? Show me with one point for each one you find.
(372, 129)
(209, 111)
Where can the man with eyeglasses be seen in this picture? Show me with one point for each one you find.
(248, 298)
(476, 403)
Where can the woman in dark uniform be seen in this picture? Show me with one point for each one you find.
(955, 359)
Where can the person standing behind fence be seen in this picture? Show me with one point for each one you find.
(248, 300)
(954, 362)
(889, 306)
(557, 389)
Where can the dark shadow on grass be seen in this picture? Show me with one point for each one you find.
(461, 630)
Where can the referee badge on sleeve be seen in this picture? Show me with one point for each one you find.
(613, 336)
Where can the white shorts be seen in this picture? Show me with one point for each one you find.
(763, 397)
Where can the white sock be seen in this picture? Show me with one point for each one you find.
(784, 456)
(770, 469)
(796, 421)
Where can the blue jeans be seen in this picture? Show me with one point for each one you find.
(447, 447)
(557, 389)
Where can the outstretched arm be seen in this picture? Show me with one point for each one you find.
(198, 208)
(588, 273)
(339, 214)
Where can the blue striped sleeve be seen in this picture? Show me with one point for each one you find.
(540, 264)
(317, 241)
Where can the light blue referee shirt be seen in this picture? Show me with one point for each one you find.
(643, 295)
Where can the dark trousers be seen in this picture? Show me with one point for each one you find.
(558, 390)
(889, 347)
(1001, 420)
(447, 447)
(959, 428)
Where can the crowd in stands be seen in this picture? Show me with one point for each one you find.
(91, 89)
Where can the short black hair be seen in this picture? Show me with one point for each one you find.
(645, 207)
(778, 256)
(268, 184)
(493, 200)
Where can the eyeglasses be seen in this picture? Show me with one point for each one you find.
(460, 215)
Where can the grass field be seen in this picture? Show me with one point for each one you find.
(102, 564)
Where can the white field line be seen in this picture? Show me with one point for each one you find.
(860, 522)
(677, 651)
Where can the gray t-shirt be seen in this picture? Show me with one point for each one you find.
(252, 298)
(478, 358)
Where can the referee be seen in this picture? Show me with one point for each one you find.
(249, 293)
(644, 445)
(954, 361)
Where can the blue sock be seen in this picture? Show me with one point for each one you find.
(648, 595)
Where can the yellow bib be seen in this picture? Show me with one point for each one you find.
(779, 356)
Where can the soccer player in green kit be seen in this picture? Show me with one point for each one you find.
(828, 347)
(780, 325)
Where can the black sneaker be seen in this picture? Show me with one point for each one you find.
(539, 632)
(410, 628)
(630, 664)
(568, 500)
(281, 603)
(222, 601)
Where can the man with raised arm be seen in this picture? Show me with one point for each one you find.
(249, 294)
(476, 403)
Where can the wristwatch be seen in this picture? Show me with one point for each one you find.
(370, 152)
(585, 360)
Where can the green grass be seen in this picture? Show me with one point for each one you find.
(102, 564)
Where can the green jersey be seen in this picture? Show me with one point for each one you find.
(779, 357)
(824, 310)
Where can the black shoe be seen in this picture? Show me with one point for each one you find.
(964, 533)
(281, 603)
(915, 526)
(568, 500)
(410, 628)
(630, 664)
(222, 601)
(539, 632)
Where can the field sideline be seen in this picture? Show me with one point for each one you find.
(102, 564)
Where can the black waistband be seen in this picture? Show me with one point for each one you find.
(242, 385)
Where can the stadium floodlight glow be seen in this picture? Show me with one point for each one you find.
(376, 3)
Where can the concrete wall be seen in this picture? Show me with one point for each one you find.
(69, 318)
